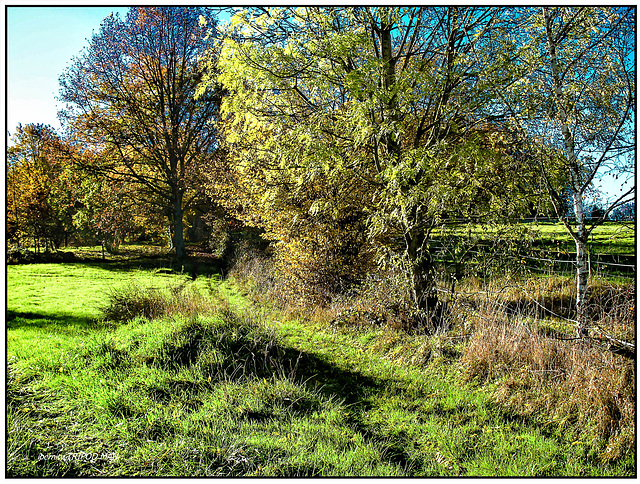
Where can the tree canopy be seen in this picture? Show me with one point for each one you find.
(130, 94)
(393, 97)
(349, 136)
(41, 187)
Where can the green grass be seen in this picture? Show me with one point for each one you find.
(236, 390)
(608, 238)
(539, 247)
(62, 301)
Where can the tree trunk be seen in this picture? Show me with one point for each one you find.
(418, 271)
(582, 326)
(178, 226)
(419, 263)
(582, 267)
(581, 236)
(424, 299)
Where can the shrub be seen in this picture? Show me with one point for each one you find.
(15, 256)
(132, 301)
(220, 239)
(323, 260)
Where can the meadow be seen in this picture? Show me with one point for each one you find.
(609, 238)
(135, 368)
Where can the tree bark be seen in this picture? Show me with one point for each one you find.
(581, 235)
(420, 271)
(420, 267)
(582, 268)
(178, 226)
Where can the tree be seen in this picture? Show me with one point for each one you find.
(576, 100)
(316, 220)
(41, 188)
(625, 212)
(107, 211)
(130, 94)
(391, 96)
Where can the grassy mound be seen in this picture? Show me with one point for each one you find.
(180, 395)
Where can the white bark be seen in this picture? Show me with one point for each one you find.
(581, 235)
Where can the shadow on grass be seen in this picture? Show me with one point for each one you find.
(192, 267)
(32, 320)
(246, 354)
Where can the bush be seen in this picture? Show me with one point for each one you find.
(220, 240)
(323, 260)
(130, 302)
(15, 256)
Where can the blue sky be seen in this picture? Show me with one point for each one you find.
(41, 41)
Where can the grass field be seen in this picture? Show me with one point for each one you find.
(543, 248)
(208, 383)
(608, 238)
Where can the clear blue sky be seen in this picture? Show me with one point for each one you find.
(41, 41)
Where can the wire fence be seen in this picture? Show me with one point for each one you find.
(609, 307)
(604, 265)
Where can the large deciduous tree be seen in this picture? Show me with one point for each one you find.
(130, 94)
(389, 96)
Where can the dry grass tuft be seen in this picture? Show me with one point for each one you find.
(571, 381)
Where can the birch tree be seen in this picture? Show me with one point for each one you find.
(576, 99)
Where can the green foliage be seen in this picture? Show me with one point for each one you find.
(351, 94)
(316, 217)
(411, 137)
(107, 212)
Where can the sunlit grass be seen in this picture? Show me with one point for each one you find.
(236, 390)
(608, 238)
